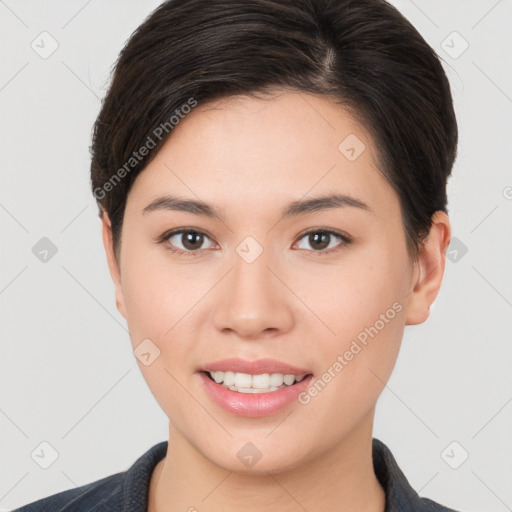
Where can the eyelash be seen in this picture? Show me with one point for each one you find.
(346, 240)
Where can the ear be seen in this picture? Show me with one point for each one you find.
(113, 264)
(429, 269)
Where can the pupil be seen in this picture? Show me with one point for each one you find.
(189, 244)
(313, 239)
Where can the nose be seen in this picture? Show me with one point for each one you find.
(252, 300)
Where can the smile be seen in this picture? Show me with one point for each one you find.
(247, 383)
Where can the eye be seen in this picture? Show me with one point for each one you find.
(191, 243)
(321, 239)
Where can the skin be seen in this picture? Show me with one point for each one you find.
(249, 158)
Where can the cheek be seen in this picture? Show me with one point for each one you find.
(157, 308)
(162, 298)
(362, 303)
(150, 292)
(353, 294)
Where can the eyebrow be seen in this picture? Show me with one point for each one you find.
(295, 208)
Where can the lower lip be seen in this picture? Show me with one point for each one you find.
(253, 405)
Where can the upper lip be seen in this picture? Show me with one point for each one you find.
(257, 367)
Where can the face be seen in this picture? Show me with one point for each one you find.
(328, 290)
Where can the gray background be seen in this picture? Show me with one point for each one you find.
(68, 375)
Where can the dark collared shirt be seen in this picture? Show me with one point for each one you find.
(128, 491)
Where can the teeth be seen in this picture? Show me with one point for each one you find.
(218, 377)
(276, 379)
(229, 378)
(246, 383)
(252, 390)
(289, 379)
(259, 381)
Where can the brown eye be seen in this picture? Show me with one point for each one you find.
(320, 240)
(185, 241)
(192, 240)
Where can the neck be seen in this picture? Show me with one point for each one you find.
(341, 479)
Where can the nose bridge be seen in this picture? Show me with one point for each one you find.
(252, 299)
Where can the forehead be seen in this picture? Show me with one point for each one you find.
(248, 151)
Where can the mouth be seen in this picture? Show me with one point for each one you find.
(254, 383)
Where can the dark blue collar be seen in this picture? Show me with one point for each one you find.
(400, 496)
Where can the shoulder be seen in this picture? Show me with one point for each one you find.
(427, 505)
(106, 492)
(400, 496)
(125, 491)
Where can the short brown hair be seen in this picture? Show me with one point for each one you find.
(362, 53)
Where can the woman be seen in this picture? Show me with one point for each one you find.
(271, 181)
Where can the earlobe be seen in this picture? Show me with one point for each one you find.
(113, 264)
(429, 270)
